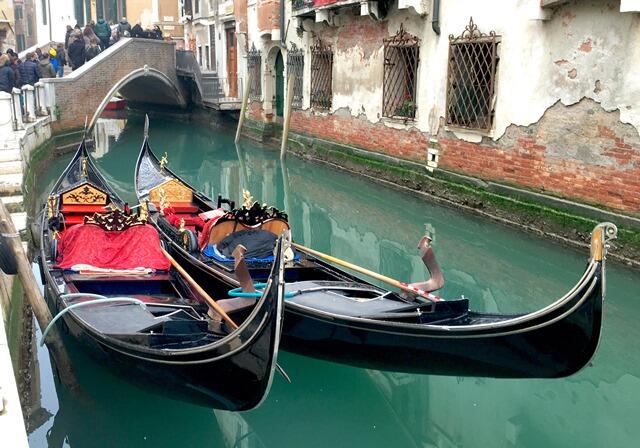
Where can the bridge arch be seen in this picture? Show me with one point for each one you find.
(145, 85)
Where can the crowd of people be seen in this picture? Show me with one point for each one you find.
(80, 45)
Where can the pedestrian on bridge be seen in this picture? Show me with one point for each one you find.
(77, 50)
(103, 31)
(62, 59)
(47, 70)
(93, 50)
(7, 76)
(29, 72)
(124, 28)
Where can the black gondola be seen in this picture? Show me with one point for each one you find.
(336, 316)
(163, 334)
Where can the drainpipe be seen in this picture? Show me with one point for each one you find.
(282, 36)
(435, 17)
(50, 24)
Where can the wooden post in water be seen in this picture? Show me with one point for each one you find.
(287, 114)
(245, 101)
(36, 300)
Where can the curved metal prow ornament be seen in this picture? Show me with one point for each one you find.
(146, 126)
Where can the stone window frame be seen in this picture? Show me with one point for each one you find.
(321, 95)
(400, 75)
(472, 66)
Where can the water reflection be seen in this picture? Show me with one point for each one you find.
(498, 268)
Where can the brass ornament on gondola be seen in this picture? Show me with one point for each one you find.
(84, 167)
(164, 161)
(114, 220)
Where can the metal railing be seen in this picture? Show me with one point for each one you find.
(212, 88)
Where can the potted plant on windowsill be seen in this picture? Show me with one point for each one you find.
(406, 110)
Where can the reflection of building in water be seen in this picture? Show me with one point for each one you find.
(105, 129)
(236, 430)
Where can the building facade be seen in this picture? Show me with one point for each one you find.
(216, 36)
(54, 16)
(7, 26)
(25, 23)
(540, 95)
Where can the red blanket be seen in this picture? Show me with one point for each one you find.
(138, 246)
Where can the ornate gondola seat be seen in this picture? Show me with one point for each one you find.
(176, 199)
(81, 200)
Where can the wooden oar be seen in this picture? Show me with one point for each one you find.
(212, 303)
(383, 278)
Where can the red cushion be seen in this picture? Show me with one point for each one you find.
(86, 209)
(184, 207)
(70, 220)
(138, 246)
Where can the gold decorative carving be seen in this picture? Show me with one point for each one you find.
(144, 211)
(114, 220)
(51, 206)
(163, 161)
(163, 200)
(84, 167)
(175, 191)
(181, 228)
(85, 194)
(247, 199)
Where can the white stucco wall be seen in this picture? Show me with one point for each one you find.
(62, 14)
(584, 49)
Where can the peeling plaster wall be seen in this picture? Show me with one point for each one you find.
(586, 49)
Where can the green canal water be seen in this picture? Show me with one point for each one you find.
(331, 405)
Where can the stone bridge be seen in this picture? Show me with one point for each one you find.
(140, 70)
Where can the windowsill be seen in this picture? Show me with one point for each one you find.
(471, 135)
(397, 121)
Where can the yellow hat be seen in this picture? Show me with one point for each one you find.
(53, 52)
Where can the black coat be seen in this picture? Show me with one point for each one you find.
(76, 53)
(137, 31)
(29, 72)
(7, 78)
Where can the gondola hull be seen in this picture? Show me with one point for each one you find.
(555, 344)
(221, 368)
(556, 341)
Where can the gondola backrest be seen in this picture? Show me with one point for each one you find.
(172, 191)
(225, 228)
(80, 201)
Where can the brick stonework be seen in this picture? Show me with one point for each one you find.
(341, 127)
(268, 15)
(580, 152)
(81, 96)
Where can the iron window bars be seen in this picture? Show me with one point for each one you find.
(254, 69)
(401, 59)
(472, 63)
(295, 66)
(321, 75)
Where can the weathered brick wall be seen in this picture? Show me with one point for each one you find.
(580, 152)
(341, 127)
(268, 15)
(79, 96)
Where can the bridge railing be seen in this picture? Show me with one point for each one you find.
(221, 89)
(213, 88)
(24, 106)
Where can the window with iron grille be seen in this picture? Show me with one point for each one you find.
(254, 68)
(471, 75)
(321, 75)
(295, 66)
(400, 75)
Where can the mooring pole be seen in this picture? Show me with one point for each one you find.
(35, 298)
(245, 101)
(287, 114)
